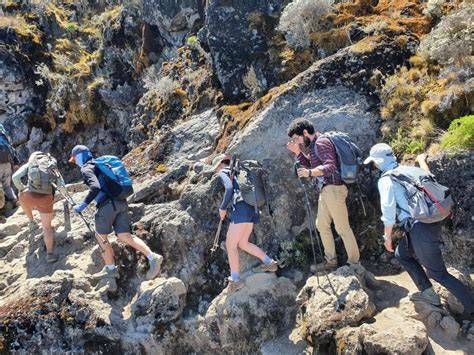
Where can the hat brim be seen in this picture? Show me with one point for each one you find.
(375, 160)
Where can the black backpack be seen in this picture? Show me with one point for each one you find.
(348, 155)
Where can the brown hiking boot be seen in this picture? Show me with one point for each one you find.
(234, 285)
(324, 266)
(271, 267)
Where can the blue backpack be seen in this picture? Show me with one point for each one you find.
(115, 180)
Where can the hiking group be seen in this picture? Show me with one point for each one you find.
(327, 162)
(109, 186)
(409, 196)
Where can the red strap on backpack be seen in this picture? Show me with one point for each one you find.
(432, 198)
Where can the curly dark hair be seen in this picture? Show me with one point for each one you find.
(298, 125)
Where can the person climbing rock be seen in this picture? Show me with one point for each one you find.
(112, 208)
(420, 247)
(9, 163)
(242, 218)
(38, 194)
(322, 165)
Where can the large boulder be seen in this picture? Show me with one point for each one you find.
(236, 34)
(331, 303)
(243, 320)
(393, 332)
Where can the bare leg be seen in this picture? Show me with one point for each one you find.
(250, 248)
(108, 254)
(28, 211)
(48, 234)
(234, 234)
(134, 242)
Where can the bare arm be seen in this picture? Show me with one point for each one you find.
(421, 160)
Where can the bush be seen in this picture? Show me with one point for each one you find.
(460, 134)
(300, 18)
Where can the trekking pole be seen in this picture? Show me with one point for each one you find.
(61, 187)
(312, 228)
(215, 245)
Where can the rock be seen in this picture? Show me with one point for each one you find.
(159, 302)
(403, 336)
(238, 47)
(452, 302)
(174, 19)
(319, 315)
(242, 321)
(433, 320)
(450, 326)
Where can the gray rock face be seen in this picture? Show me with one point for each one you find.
(235, 34)
(175, 19)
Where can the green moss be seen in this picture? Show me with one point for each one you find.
(192, 40)
(460, 134)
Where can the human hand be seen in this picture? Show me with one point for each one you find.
(303, 172)
(80, 207)
(15, 167)
(388, 243)
(222, 214)
(293, 147)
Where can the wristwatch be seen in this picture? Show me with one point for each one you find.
(310, 174)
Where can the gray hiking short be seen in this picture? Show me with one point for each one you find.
(108, 219)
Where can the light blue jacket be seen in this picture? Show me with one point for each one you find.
(393, 201)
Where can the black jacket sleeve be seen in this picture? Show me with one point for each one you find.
(91, 180)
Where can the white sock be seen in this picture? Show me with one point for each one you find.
(110, 267)
(150, 257)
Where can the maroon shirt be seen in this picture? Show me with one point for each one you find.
(323, 156)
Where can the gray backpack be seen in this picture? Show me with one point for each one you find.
(250, 176)
(428, 200)
(348, 155)
(40, 173)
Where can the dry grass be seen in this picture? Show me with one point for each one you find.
(21, 27)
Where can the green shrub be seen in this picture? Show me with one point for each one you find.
(460, 134)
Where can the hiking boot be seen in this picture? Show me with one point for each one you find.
(51, 258)
(271, 267)
(234, 285)
(155, 266)
(324, 266)
(106, 273)
(428, 295)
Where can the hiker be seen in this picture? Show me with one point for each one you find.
(38, 194)
(9, 163)
(111, 215)
(322, 165)
(242, 218)
(420, 247)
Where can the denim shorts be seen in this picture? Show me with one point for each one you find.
(244, 213)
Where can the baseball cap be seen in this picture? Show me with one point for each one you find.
(379, 153)
(76, 150)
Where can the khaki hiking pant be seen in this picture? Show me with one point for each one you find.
(332, 208)
(5, 180)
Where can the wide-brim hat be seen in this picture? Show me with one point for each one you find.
(218, 160)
